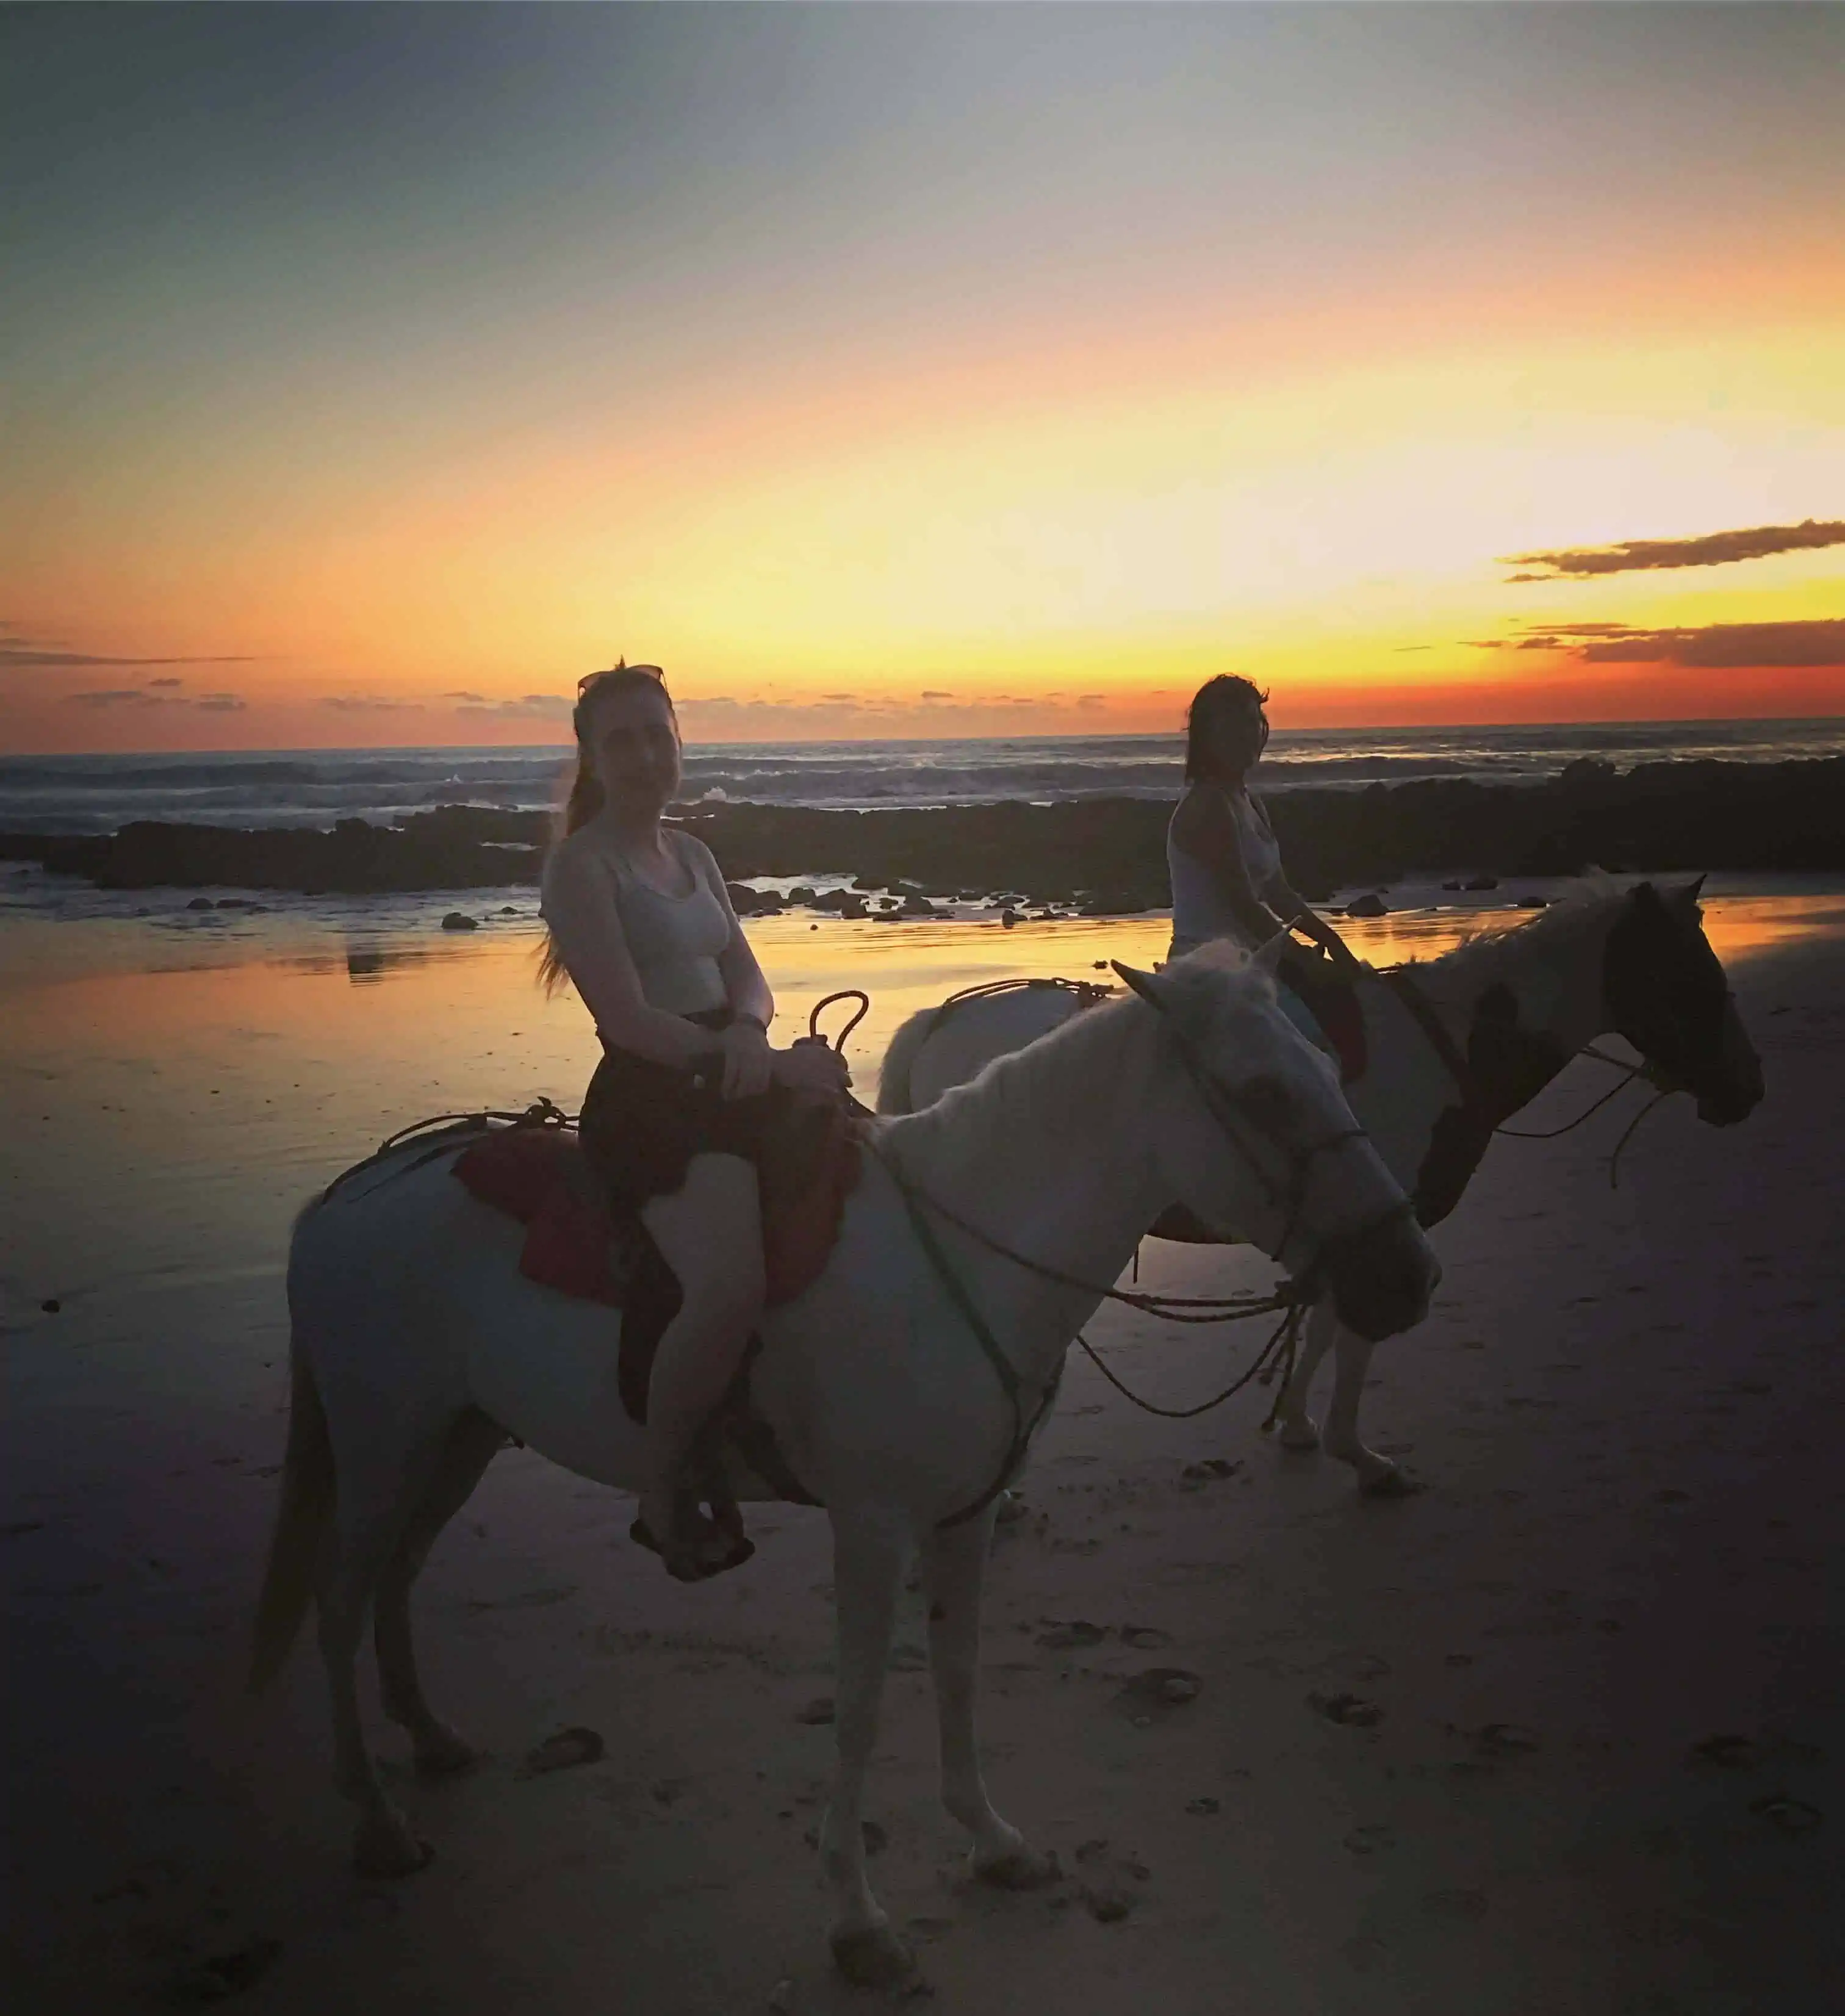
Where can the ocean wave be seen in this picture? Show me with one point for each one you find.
(78, 795)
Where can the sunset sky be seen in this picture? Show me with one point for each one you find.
(371, 372)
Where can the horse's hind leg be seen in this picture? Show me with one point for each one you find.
(869, 1550)
(472, 1445)
(1296, 1428)
(374, 1513)
(954, 1571)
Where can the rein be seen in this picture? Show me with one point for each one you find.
(1403, 984)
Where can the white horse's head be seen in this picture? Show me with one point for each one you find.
(1243, 1092)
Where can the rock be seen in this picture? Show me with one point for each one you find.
(1178, 1689)
(1453, 885)
(507, 910)
(1370, 904)
(917, 907)
(1008, 917)
(1481, 882)
(801, 894)
(1202, 1809)
(51, 1305)
(781, 1997)
(201, 903)
(459, 920)
(817, 1711)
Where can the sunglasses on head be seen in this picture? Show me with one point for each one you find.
(608, 671)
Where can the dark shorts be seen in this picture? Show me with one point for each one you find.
(642, 1122)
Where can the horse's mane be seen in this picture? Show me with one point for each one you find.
(1054, 1079)
(1576, 915)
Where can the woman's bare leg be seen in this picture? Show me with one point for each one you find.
(709, 1232)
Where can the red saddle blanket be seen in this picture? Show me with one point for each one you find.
(573, 1242)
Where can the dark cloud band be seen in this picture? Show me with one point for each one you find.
(1715, 549)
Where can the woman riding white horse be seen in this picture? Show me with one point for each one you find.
(902, 1385)
(677, 1115)
(1454, 1048)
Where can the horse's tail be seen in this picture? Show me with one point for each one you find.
(894, 1079)
(301, 1521)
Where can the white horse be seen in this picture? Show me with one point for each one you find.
(418, 1348)
(1471, 1037)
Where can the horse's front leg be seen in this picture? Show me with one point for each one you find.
(1377, 1477)
(953, 1572)
(1296, 1428)
(870, 1547)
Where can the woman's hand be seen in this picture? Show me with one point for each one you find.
(810, 1066)
(749, 1063)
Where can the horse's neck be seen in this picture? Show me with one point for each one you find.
(1051, 1155)
(1550, 980)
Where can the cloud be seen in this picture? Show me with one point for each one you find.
(1727, 646)
(1713, 549)
(1704, 647)
(364, 703)
(107, 697)
(479, 700)
(1090, 700)
(528, 706)
(21, 656)
(930, 693)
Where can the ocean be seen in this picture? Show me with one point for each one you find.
(76, 794)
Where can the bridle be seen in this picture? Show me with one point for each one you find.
(1293, 1298)
(1291, 1199)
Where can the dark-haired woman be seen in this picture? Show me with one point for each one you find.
(1221, 851)
(674, 1117)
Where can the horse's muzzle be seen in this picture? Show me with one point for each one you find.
(1384, 1278)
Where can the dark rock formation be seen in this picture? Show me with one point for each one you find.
(1106, 855)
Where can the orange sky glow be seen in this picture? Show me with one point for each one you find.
(939, 414)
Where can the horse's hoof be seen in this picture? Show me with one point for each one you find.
(1016, 1869)
(1303, 1438)
(873, 1958)
(1390, 1483)
(386, 1848)
(441, 1753)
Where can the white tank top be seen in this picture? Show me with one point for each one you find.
(1200, 908)
(674, 941)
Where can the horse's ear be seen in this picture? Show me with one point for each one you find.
(1685, 900)
(1151, 989)
(1267, 957)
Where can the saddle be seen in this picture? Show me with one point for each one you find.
(576, 1243)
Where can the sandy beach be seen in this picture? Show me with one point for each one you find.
(1451, 1753)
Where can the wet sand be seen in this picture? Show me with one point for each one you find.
(1627, 1408)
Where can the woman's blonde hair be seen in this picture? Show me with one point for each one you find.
(584, 799)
